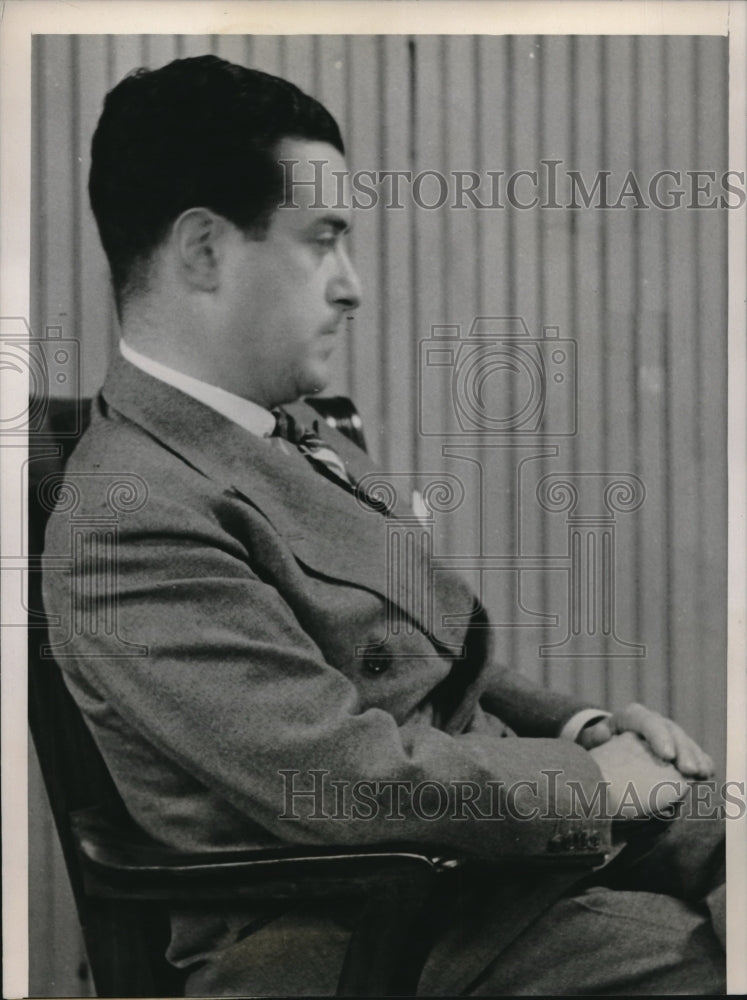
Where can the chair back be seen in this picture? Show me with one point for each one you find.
(125, 941)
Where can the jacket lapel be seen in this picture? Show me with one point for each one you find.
(330, 530)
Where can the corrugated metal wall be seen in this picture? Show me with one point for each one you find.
(641, 291)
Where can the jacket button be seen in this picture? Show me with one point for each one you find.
(375, 664)
(576, 841)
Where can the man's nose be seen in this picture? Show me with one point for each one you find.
(346, 286)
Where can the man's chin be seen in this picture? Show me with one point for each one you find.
(314, 383)
(307, 386)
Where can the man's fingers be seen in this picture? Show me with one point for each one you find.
(657, 734)
(690, 759)
(654, 728)
(666, 739)
(686, 758)
(595, 736)
(681, 749)
(707, 767)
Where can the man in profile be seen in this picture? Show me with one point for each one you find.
(253, 572)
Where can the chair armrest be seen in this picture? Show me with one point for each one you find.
(121, 863)
(389, 943)
(401, 886)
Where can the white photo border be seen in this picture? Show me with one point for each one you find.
(20, 20)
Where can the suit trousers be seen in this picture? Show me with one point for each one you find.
(651, 922)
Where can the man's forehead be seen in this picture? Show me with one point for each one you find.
(316, 176)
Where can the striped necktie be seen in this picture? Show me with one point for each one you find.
(310, 445)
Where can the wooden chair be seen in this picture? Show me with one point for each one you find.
(123, 883)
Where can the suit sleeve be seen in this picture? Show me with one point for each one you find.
(528, 709)
(240, 708)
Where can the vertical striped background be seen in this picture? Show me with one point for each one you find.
(641, 291)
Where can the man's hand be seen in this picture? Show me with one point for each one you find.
(665, 738)
(639, 784)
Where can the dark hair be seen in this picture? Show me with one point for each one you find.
(198, 132)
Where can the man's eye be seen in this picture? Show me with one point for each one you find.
(327, 240)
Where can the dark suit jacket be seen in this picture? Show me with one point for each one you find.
(248, 583)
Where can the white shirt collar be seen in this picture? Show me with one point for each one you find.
(252, 417)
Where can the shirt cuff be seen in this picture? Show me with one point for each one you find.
(581, 720)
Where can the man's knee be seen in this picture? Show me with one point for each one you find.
(609, 942)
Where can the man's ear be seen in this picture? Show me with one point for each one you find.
(198, 236)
